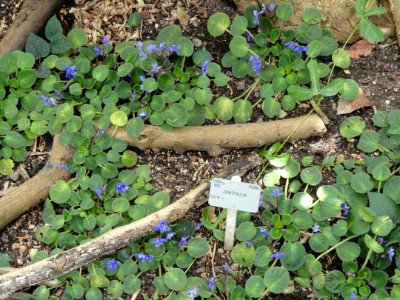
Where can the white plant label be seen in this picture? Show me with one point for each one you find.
(234, 195)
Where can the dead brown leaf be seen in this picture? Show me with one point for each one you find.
(360, 48)
(347, 107)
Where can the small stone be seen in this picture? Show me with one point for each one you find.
(197, 42)
(14, 176)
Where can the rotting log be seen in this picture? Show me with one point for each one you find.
(114, 239)
(18, 200)
(31, 18)
(213, 139)
(222, 138)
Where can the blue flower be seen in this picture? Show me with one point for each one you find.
(98, 51)
(46, 100)
(63, 167)
(248, 37)
(162, 46)
(227, 268)
(183, 240)
(264, 231)
(143, 114)
(191, 293)
(352, 296)
(142, 78)
(155, 68)
(211, 283)
(162, 227)
(158, 242)
(346, 209)
(133, 95)
(170, 235)
(204, 67)
(380, 240)
(391, 253)
(151, 48)
(106, 41)
(198, 226)
(173, 48)
(142, 54)
(249, 245)
(296, 47)
(99, 191)
(277, 255)
(69, 72)
(101, 132)
(255, 63)
(121, 187)
(126, 255)
(58, 93)
(271, 7)
(257, 13)
(113, 264)
(276, 192)
(315, 228)
(144, 258)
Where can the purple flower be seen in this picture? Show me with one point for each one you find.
(227, 268)
(58, 93)
(151, 48)
(142, 78)
(143, 114)
(121, 187)
(69, 72)
(380, 240)
(271, 6)
(113, 264)
(277, 255)
(144, 258)
(142, 54)
(315, 228)
(257, 13)
(101, 132)
(155, 68)
(162, 227)
(173, 48)
(162, 46)
(169, 236)
(255, 63)
(249, 245)
(63, 167)
(183, 240)
(158, 242)
(264, 231)
(106, 41)
(191, 293)
(391, 253)
(346, 209)
(204, 67)
(98, 51)
(276, 192)
(133, 95)
(211, 283)
(99, 191)
(126, 255)
(248, 37)
(296, 47)
(198, 226)
(46, 100)
(352, 296)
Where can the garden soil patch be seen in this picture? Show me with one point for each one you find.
(377, 74)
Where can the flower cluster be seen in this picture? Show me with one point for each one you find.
(100, 191)
(264, 231)
(113, 264)
(255, 63)
(48, 100)
(121, 187)
(296, 47)
(69, 72)
(191, 293)
(277, 255)
(144, 258)
(257, 13)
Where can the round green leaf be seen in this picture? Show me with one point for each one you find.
(335, 281)
(302, 201)
(170, 34)
(361, 183)
(14, 139)
(382, 226)
(119, 118)
(100, 73)
(284, 11)
(271, 108)
(246, 231)
(60, 192)
(217, 24)
(255, 286)
(77, 37)
(352, 127)
(239, 25)
(341, 58)
(295, 256)
(150, 85)
(6, 166)
(311, 175)
(276, 280)
(242, 111)
(369, 141)
(186, 47)
(348, 251)
(262, 256)
(134, 127)
(372, 244)
(312, 15)
(197, 247)
(349, 90)
(176, 115)
(175, 279)
(318, 242)
(223, 107)
(238, 46)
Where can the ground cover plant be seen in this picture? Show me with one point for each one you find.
(166, 83)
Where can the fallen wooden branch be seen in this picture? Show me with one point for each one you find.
(113, 240)
(18, 200)
(222, 138)
(31, 18)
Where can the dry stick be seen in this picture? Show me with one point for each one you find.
(31, 18)
(113, 240)
(18, 200)
(222, 138)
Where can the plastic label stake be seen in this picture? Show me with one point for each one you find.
(233, 195)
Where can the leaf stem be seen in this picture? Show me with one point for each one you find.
(248, 90)
(368, 256)
(337, 245)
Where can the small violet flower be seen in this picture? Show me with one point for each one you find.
(276, 192)
(198, 226)
(255, 63)
(133, 95)
(183, 241)
(69, 72)
(126, 255)
(296, 47)
(106, 41)
(264, 231)
(315, 228)
(48, 101)
(151, 48)
(143, 114)
(113, 264)
(346, 209)
(155, 68)
(380, 240)
(277, 255)
(142, 54)
(158, 242)
(204, 67)
(121, 187)
(352, 296)
(98, 51)
(144, 258)
(99, 191)
(271, 6)
(191, 293)
(58, 93)
(248, 37)
(391, 253)
(101, 132)
(162, 227)
(211, 283)
(227, 268)
(63, 167)
(169, 236)
(249, 245)
(173, 48)
(257, 13)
